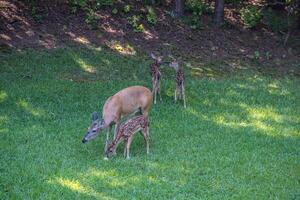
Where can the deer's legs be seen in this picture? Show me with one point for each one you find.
(107, 137)
(116, 129)
(183, 95)
(146, 138)
(175, 95)
(158, 89)
(127, 147)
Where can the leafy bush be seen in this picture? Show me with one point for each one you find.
(127, 8)
(151, 15)
(104, 3)
(197, 8)
(234, 2)
(250, 15)
(135, 23)
(275, 21)
(35, 14)
(91, 18)
(115, 11)
(80, 3)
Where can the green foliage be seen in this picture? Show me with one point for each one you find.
(251, 15)
(134, 21)
(35, 14)
(101, 3)
(82, 4)
(91, 18)
(233, 2)
(127, 8)
(115, 11)
(151, 15)
(197, 8)
(256, 55)
(237, 139)
(275, 21)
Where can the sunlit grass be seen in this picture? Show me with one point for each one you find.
(29, 108)
(238, 138)
(3, 96)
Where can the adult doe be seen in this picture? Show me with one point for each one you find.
(179, 81)
(155, 76)
(126, 131)
(127, 101)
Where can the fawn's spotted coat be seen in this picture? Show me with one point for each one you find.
(126, 131)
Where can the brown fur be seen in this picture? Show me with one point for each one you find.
(126, 131)
(124, 102)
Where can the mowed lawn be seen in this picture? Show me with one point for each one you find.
(239, 137)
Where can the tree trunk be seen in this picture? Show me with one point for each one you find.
(219, 13)
(179, 7)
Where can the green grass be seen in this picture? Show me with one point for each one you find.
(239, 138)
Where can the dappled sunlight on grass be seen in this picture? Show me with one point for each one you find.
(85, 66)
(110, 176)
(194, 112)
(267, 113)
(3, 96)
(76, 186)
(264, 119)
(29, 108)
(124, 49)
(82, 40)
(3, 121)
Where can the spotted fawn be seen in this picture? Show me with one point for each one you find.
(126, 131)
(179, 80)
(156, 76)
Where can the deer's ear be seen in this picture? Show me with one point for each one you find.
(94, 116)
(153, 56)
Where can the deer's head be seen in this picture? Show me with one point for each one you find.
(157, 59)
(174, 64)
(111, 150)
(94, 129)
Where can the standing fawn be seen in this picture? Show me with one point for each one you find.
(156, 76)
(179, 79)
(127, 101)
(126, 131)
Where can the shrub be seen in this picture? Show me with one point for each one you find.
(91, 18)
(151, 15)
(104, 3)
(233, 2)
(275, 21)
(250, 15)
(197, 8)
(135, 23)
(127, 8)
(35, 14)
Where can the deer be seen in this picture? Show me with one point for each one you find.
(179, 81)
(134, 99)
(155, 75)
(125, 133)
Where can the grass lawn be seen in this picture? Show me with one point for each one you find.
(239, 138)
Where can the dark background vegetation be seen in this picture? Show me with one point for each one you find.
(263, 35)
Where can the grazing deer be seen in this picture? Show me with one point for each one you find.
(179, 79)
(126, 131)
(124, 102)
(156, 76)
